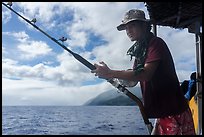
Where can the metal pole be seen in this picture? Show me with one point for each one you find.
(154, 28)
(198, 39)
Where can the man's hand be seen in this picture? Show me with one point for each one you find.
(102, 71)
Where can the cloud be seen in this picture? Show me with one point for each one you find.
(78, 38)
(28, 48)
(34, 92)
(33, 49)
(4, 50)
(6, 16)
(42, 11)
(9, 61)
(20, 36)
(78, 21)
(182, 47)
(69, 72)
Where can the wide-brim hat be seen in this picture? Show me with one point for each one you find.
(132, 15)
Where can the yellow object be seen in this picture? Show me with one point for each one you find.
(194, 110)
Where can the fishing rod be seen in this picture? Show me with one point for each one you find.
(114, 82)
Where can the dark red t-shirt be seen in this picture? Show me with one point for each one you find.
(162, 95)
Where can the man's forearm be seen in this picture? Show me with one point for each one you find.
(145, 75)
(125, 74)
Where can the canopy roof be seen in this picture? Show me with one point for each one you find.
(175, 14)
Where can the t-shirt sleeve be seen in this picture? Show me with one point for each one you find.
(155, 50)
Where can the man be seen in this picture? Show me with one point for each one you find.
(155, 70)
(189, 86)
(189, 90)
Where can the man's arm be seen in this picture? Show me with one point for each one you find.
(145, 75)
(103, 71)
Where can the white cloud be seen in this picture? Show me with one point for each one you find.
(4, 50)
(42, 11)
(9, 62)
(33, 49)
(28, 48)
(182, 47)
(177, 41)
(34, 92)
(69, 72)
(78, 39)
(6, 16)
(20, 36)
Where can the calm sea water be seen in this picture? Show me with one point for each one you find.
(72, 120)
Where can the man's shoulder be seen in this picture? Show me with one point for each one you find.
(157, 42)
(185, 82)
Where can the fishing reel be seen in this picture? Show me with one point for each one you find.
(127, 83)
(9, 4)
(63, 39)
(122, 84)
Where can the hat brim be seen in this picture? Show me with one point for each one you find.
(122, 26)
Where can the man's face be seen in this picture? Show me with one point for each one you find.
(134, 30)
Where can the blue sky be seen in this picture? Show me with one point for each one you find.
(36, 71)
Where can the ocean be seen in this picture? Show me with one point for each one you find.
(72, 120)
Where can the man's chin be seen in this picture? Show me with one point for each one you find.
(133, 39)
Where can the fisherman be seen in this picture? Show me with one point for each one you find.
(154, 68)
(189, 86)
(189, 90)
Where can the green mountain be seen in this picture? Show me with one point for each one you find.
(113, 98)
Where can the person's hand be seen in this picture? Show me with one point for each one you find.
(102, 71)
